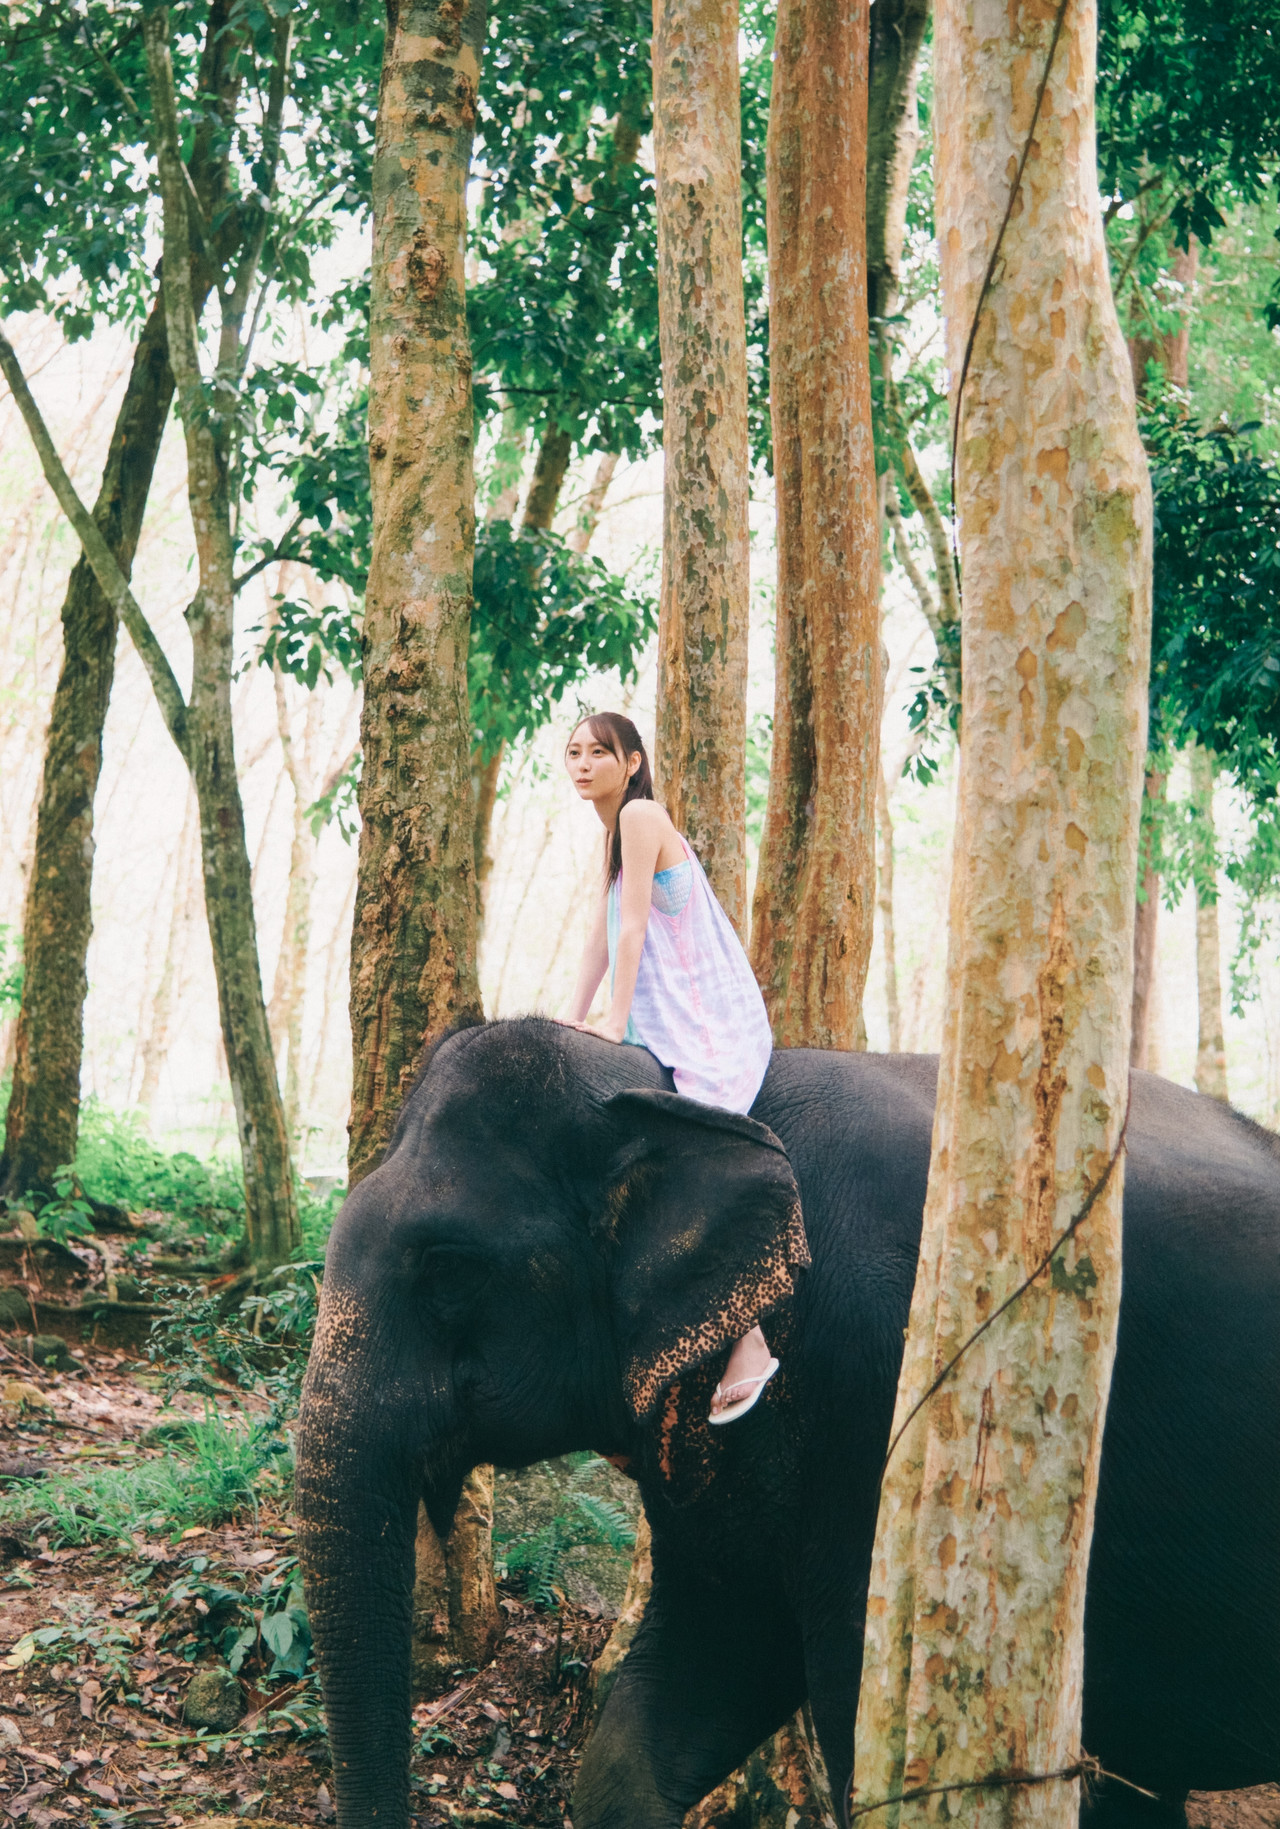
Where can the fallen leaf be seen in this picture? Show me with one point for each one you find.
(38, 1758)
(324, 1805)
(89, 1693)
(107, 1794)
(197, 1530)
(509, 1792)
(494, 1714)
(18, 1806)
(22, 1653)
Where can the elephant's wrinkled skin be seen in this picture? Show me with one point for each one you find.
(530, 1264)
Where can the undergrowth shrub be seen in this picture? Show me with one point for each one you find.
(536, 1559)
(212, 1471)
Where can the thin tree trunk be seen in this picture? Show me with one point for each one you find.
(814, 907)
(455, 1607)
(288, 991)
(1172, 350)
(593, 502)
(549, 471)
(44, 1109)
(1146, 928)
(414, 939)
(893, 137)
(973, 1653)
(271, 1216)
(168, 992)
(700, 753)
(43, 1116)
(887, 932)
(1211, 1051)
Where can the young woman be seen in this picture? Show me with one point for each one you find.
(680, 983)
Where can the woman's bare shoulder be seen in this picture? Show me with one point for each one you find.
(645, 815)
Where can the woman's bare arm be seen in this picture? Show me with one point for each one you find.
(595, 963)
(644, 827)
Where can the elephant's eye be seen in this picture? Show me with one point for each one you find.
(453, 1282)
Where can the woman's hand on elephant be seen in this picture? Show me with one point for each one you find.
(607, 1029)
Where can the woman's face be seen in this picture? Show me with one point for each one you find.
(596, 771)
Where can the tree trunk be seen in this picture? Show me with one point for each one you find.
(887, 933)
(593, 502)
(814, 907)
(1171, 351)
(700, 754)
(630, 1614)
(288, 991)
(455, 1609)
(973, 1656)
(414, 939)
(1211, 1052)
(44, 1110)
(893, 137)
(1146, 928)
(43, 1116)
(271, 1216)
(168, 992)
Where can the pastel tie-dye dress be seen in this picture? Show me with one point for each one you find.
(697, 1006)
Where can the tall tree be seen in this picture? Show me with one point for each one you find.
(208, 423)
(702, 624)
(965, 1679)
(42, 1120)
(814, 905)
(414, 942)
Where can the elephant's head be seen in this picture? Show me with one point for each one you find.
(551, 1239)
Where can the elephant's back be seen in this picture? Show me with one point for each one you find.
(1182, 1674)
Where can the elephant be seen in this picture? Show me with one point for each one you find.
(556, 1253)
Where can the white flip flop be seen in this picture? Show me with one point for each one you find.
(743, 1404)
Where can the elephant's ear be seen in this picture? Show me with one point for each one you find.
(702, 1214)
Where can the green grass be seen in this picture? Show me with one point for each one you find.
(213, 1472)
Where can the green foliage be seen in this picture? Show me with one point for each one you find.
(1215, 674)
(211, 1473)
(544, 617)
(1188, 105)
(261, 1345)
(537, 1560)
(67, 1215)
(759, 762)
(117, 1163)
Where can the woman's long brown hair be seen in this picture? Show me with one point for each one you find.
(621, 736)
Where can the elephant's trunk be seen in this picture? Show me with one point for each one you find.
(359, 1479)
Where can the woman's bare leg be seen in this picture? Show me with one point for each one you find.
(748, 1360)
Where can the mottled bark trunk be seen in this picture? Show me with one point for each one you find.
(414, 939)
(455, 1608)
(1146, 929)
(813, 912)
(271, 1217)
(887, 929)
(44, 1110)
(549, 471)
(700, 754)
(973, 1657)
(1211, 1051)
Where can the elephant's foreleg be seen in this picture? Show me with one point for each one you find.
(706, 1680)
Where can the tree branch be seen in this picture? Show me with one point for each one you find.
(278, 552)
(112, 581)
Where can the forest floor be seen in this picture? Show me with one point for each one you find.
(103, 1643)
